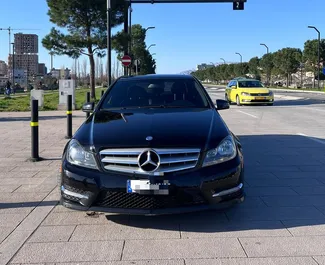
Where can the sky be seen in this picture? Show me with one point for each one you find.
(189, 34)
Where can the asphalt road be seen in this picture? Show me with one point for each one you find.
(282, 221)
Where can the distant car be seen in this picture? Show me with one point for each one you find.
(244, 91)
(154, 144)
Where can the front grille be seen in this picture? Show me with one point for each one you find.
(125, 200)
(127, 160)
(259, 94)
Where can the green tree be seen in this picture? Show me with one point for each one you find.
(310, 54)
(85, 22)
(287, 62)
(138, 49)
(267, 65)
(253, 67)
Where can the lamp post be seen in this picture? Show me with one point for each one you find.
(149, 28)
(312, 27)
(241, 61)
(109, 79)
(13, 64)
(267, 48)
(267, 51)
(151, 46)
(223, 60)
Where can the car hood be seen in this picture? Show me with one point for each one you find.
(255, 90)
(199, 128)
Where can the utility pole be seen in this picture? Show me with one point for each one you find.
(130, 34)
(241, 62)
(268, 75)
(13, 63)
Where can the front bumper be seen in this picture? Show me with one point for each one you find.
(213, 187)
(257, 99)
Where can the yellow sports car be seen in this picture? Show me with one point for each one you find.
(248, 91)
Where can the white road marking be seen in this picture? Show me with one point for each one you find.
(248, 114)
(312, 138)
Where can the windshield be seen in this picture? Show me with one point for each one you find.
(250, 83)
(155, 93)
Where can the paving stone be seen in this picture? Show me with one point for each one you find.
(11, 220)
(29, 174)
(35, 188)
(274, 213)
(269, 191)
(73, 218)
(294, 200)
(254, 261)
(21, 197)
(4, 232)
(284, 246)
(52, 233)
(316, 190)
(132, 262)
(182, 248)
(305, 227)
(299, 182)
(320, 260)
(69, 252)
(11, 245)
(233, 229)
(116, 231)
(8, 188)
(26, 181)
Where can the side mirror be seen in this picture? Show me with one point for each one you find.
(222, 104)
(233, 87)
(88, 107)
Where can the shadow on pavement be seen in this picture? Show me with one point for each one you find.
(285, 188)
(8, 205)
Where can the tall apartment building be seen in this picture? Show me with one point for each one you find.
(3, 68)
(25, 56)
(26, 43)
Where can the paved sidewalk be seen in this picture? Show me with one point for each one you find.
(282, 221)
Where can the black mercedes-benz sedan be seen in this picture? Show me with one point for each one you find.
(153, 144)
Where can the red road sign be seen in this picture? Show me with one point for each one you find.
(126, 60)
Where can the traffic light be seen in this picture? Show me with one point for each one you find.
(238, 6)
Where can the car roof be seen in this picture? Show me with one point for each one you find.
(157, 76)
(244, 79)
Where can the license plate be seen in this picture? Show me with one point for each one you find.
(260, 98)
(144, 186)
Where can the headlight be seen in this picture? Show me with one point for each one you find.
(77, 155)
(245, 94)
(225, 151)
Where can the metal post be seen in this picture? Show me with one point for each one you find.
(102, 93)
(130, 34)
(109, 48)
(126, 26)
(13, 64)
(34, 131)
(87, 100)
(69, 117)
(312, 27)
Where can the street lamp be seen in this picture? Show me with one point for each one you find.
(149, 28)
(267, 48)
(109, 54)
(223, 60)
(241, 57)
(13, 64)
(151, 46)
(312, 27)
(153, 54)
(241, 61)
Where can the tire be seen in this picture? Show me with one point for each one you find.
(238, 101)
(226, 98)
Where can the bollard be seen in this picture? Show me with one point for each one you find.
(102, 93)
(87, 100)
(34, 131)
(69, 117)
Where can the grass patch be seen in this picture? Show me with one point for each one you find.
(51, 101)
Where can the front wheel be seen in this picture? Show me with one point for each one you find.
(226, 98)
(238, 101)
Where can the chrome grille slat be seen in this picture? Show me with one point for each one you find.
(171, 160)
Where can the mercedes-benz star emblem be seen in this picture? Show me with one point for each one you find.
(149, 161)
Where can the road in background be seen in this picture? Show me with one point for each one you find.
(281, 222)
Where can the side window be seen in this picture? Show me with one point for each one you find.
(230, 83)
